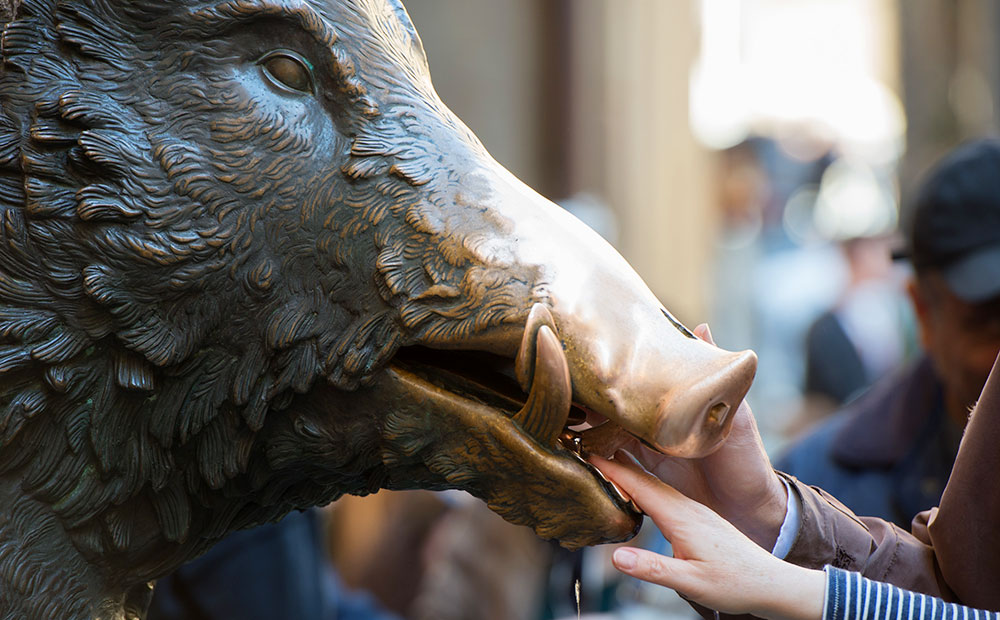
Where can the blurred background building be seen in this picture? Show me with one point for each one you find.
(752, 159)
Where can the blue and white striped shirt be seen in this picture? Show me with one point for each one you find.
(849, 596)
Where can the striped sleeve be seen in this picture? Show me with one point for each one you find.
(849, 596)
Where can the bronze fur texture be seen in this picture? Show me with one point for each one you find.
(222, 224)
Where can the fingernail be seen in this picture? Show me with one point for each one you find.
(625, 558)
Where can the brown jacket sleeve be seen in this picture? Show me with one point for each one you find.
(829, 533)
(954, 551)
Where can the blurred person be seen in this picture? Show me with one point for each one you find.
(268, 573)
(764, 288)
(863, 337)
(772, 278)
(376, 542)
(888, 454)
(743, 193)
(476, 565)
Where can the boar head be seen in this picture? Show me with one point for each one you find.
(250, 262)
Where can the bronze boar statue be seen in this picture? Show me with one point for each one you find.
(249, 262)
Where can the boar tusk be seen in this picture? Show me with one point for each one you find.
(547, 409)
(524, 368)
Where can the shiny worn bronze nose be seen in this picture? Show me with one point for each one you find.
(694, 419)
(628, 359)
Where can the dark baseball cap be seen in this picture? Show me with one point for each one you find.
(954, 226)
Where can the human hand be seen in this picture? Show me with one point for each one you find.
(736, 481)
(713, 564)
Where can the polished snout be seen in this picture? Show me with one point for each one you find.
(693, 418)
(676, 393)
(629, 359)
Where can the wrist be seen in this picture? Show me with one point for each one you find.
(794, 593)
(763, 522)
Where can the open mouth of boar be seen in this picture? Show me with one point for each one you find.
(533, 391)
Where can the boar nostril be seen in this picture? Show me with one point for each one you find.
(718, 413)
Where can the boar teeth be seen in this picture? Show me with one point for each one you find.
(524, 365)
(547, 409)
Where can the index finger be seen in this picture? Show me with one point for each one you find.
(660, 501)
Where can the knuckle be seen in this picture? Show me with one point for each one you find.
(655, 567)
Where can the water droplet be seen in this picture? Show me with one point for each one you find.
(576, 589)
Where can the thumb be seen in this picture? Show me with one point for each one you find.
(648, 566)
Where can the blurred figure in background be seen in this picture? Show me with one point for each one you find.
(765, 288)
(889, 453)
(862, 337)
(476, 565)
(270, 572)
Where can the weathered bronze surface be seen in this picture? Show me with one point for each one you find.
(250, 262)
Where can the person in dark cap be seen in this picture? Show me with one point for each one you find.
(888, 454)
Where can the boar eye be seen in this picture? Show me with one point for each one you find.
(288, 71)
